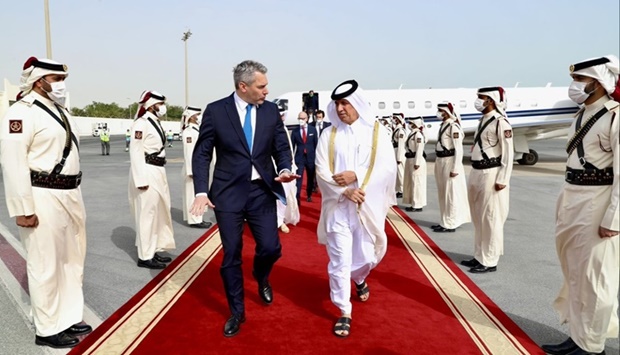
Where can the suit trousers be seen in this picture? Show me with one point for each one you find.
(260, 214)
(309, 167)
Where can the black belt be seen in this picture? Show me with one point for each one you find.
(487, 163)
(154, 160)
(55, 181)
(444, 153)
(410, 155)
(593, 177)
(395, 145)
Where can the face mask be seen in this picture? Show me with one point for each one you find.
(577, 91)
(439, 115)
(58, 93)
(302, 122)
(161, 112)
(479, 104)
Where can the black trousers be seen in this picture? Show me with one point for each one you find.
(260, 214)
(309, 167)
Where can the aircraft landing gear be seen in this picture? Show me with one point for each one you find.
(530, 158)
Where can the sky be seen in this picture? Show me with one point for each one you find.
(115, 49)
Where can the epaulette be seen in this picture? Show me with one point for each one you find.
(27, 100)
(611, 105)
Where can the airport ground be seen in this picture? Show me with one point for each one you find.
(525, 285)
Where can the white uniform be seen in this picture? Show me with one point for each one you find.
(399, 137)
(588, 300)
(189, 137)
(451, 191)
(31, 140)
(355, 238)
(414, 186)
(151, 207)
(288, 213)
(489, 208)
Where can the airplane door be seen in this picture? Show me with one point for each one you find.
(310, 105)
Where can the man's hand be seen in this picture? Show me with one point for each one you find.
(454, 174)
(286, 176)
(31, 221)
(499, 187)
(199, 205)
(606, 233)
(355, 195)
(143, 187)
(345, 178)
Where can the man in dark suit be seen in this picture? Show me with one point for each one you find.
(320, 126)
(247, 133)
(304, 139)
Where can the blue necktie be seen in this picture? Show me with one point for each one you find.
(247, 126)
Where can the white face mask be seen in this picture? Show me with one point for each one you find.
(577, 91)
(479, 104)
(302, 122)
(439, 115)
(58, 93)
(161, 112)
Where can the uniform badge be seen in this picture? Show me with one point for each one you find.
(455, 135)
(138, 135)
(188, 139)
(508, 133)
(15, 126)
(401, 136)
(419, 140)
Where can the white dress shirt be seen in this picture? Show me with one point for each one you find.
(241, 110)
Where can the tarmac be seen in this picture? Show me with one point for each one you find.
(526, 282)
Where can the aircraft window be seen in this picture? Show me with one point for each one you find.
(282, 104)
(381, 105)
(428, 104)
(534, 104)
(396, 105)
(411, 104)
(463, 103)
(518, 104)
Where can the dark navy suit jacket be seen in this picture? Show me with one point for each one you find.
(325, 126)
(312, 140)
(221, 129)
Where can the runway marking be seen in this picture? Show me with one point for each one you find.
(487, 332)
(127, 333)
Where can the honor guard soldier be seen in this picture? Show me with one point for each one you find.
(399, 137)
(39, 154)
(149, 194)
(587, 211)
(487, 189)
(190, 129)
(449, 172)
(414, 186)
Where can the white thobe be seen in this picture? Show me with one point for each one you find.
(451, 191)
(150, 207)
(588, 299)
(32, 140)
(189, 136)
(414, 185)
(399, 138)
(489, 208)
(355, 238)
(288, 213)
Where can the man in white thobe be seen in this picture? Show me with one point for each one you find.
(189, 136)
(414, 186)
(487, 188)
(587, 220)
(399, 137)
(357, 186)
(41, 169)
(449, 172)
(149, 194)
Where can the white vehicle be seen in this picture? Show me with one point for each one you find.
(534, 113)
(98, 127)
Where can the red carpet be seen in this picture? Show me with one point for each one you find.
(420, 303)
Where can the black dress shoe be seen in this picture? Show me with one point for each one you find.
(417, 209)
(151, 264)
(580, 351)
(57, 341)
(309, 199)
(481, 269)
(201, 225)
(562, 348)
(444, 230)
(470, 263)
(162, 259)
(265, 292)
(436, 226)
(409, 209)
(79, 329)
(233, 325)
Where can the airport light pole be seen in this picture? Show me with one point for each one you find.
(185, 37)
(48, 38)
(130, 103)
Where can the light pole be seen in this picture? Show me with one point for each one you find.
(48, 38)
(185, 37)
(130, 103)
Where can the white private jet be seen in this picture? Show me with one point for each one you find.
(534, 113)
